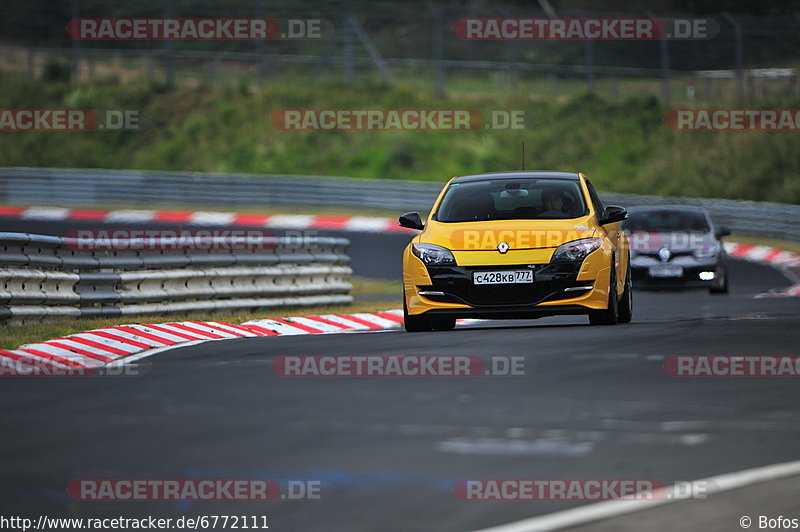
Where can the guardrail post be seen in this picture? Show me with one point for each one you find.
(437, 47)
(590, 77)
(76, 45)
(737, 32)
(212, 71)
(151, 65)
(169, 66)
(90, 66)
(614, 88)
(372, 51)
(663, 49)
(511, 52)
(552, 80)
(31, 68)
(323, 61)
(664, 52)
(260, 47)
(349, 52)
(588, 47)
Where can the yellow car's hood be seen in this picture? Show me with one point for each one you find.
(518, 234)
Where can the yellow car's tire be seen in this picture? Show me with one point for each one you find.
(625, 312)
(610, 315)
(443, 324)
(415, 323)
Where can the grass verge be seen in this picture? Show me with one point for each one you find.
(623, 145)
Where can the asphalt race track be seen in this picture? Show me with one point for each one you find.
(595, 402)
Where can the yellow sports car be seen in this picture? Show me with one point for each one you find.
(511, 245)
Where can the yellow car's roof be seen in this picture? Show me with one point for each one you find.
(517, 175)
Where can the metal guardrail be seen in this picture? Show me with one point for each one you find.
(83, 187)
(67, 187)
(45, 276)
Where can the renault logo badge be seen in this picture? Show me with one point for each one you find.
(502, 247)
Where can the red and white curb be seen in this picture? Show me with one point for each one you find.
(369, 224)
(781, 259)
(123, 343)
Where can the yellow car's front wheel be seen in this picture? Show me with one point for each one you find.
(424, 323)
(620, 308)
(625, 313)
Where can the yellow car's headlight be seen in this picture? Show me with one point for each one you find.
(432, 255)
(577, 250)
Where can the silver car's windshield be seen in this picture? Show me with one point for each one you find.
(667, 220)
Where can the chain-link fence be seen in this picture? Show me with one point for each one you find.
(415, 44)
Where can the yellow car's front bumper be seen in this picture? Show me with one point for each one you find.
(550, 293)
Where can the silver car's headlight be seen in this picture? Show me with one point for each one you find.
(433, 255)
(576, 250)
(706, 252)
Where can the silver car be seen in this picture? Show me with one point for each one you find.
(676, 246)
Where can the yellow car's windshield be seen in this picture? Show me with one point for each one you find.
(512, 199)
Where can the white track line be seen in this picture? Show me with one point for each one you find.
(607, 509)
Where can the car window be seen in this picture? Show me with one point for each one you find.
(596, 203)
(512, 199)
(667, 220)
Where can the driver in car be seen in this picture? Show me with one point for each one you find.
(554, 204)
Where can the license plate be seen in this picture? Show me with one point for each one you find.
(503, 277)
(666, 270)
